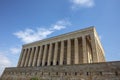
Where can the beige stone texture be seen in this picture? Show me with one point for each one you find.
(93, 71)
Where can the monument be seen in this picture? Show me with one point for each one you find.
(77, 55)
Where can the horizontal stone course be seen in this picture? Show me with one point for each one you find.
(93, 71)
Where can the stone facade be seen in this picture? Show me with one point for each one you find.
(78, 55)
(91, 71)
(82, 46)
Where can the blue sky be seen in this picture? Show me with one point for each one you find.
(24, 21)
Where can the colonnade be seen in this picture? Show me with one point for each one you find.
(64, 52)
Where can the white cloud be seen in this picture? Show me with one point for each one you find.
(15, 50)
(60, 25)
(30, 35)
(82, 3)
(4, 62)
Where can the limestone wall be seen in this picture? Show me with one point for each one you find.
(94, 71)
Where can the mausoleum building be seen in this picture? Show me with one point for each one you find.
(77, 55)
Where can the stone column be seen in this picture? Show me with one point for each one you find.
(39, 56)
(31, 57)
(69, 51)
(35, 56)
(85, 53)
(55, 54)
(44, 55)
(23, 59)
(76, 51)
(27, 57)
(62, 53)
(94, 48)
(49, 54)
